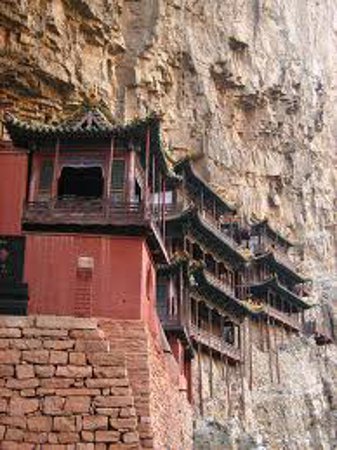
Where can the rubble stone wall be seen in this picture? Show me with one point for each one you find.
(67, 385)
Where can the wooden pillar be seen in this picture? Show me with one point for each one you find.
(228, 389)
(147, 169)
(278, 375)
(34, 178)
(131, 174)
(56, 169)
(164, 207)
(269, 339)
(181, 295)
(201, 404)
(250, 355)
(210, 327)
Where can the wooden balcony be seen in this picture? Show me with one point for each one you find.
(216, 343)
(84, 211)
(220, 284)
(198, 335)
(286, 319)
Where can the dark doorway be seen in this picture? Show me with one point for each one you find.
(81, 182)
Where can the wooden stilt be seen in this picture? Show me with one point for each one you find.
(250, 357)
(228, 388)
(269, 346)
(210, 354)
(277, 355)
(56, 169)
(201, 405)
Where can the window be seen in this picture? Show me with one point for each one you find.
(81, 182)
(46, 177)
(118, 180)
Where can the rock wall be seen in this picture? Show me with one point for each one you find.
(70, 384)
(249, 84)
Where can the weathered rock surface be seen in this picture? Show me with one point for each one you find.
(249, 83)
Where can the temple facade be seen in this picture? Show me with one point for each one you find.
(97, 223)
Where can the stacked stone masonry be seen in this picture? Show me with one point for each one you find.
(65, 385)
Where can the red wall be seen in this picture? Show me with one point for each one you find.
(114, 288)
(13, 179)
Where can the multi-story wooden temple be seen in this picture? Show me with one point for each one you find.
(97, 223)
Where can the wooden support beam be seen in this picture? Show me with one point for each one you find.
(109, 169)
(56, 169)
(278, 375)
(210, 327)
(201, 404)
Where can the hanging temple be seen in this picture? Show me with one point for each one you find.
(102, 223)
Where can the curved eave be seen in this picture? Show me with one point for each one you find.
(272, 283)
(208, 289)
(279, 265)
(185, 165)
(29, 135)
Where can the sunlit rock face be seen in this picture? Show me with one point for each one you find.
(249, 84)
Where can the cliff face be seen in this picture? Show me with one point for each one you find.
(251, 84)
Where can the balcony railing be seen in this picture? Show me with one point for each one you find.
(84, 211)
(220, 284)
(214, 342)
(283, 317)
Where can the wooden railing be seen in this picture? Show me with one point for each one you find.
(204, 337)
(85, 211)
(220, 284)
(283, 317)
(214, 342)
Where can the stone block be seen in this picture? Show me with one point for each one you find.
(87, 446)
(74, 371)
(53, 405)
(6, 371)
(26, 344)
(54, 344)
(113, 401)
(48, 333)
(102, 383)
(39, 423)
(106, 359)
(77, 392)
(67, 322)
(123, 424)
(10, 333)
(77, 404)
(87, 436)
(89, 345)
(109, 372)
(64, 423)
(21, 406)
(95, 422)
(77, 358)
(107, 436)
(24, 371)
(15, 422)
(58, 357)
(68, 437)
(3, 405)
(57, 383)
(9, 356)
(16, 322)
(35, 437)
(29, 383)
(10, 445)
(127, 412)
(130, 438)
(44, 371)
(36, 356)
(92, 334)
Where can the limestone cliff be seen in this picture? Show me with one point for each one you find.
(251, 84)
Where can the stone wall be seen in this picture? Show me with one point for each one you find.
(68, 385)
